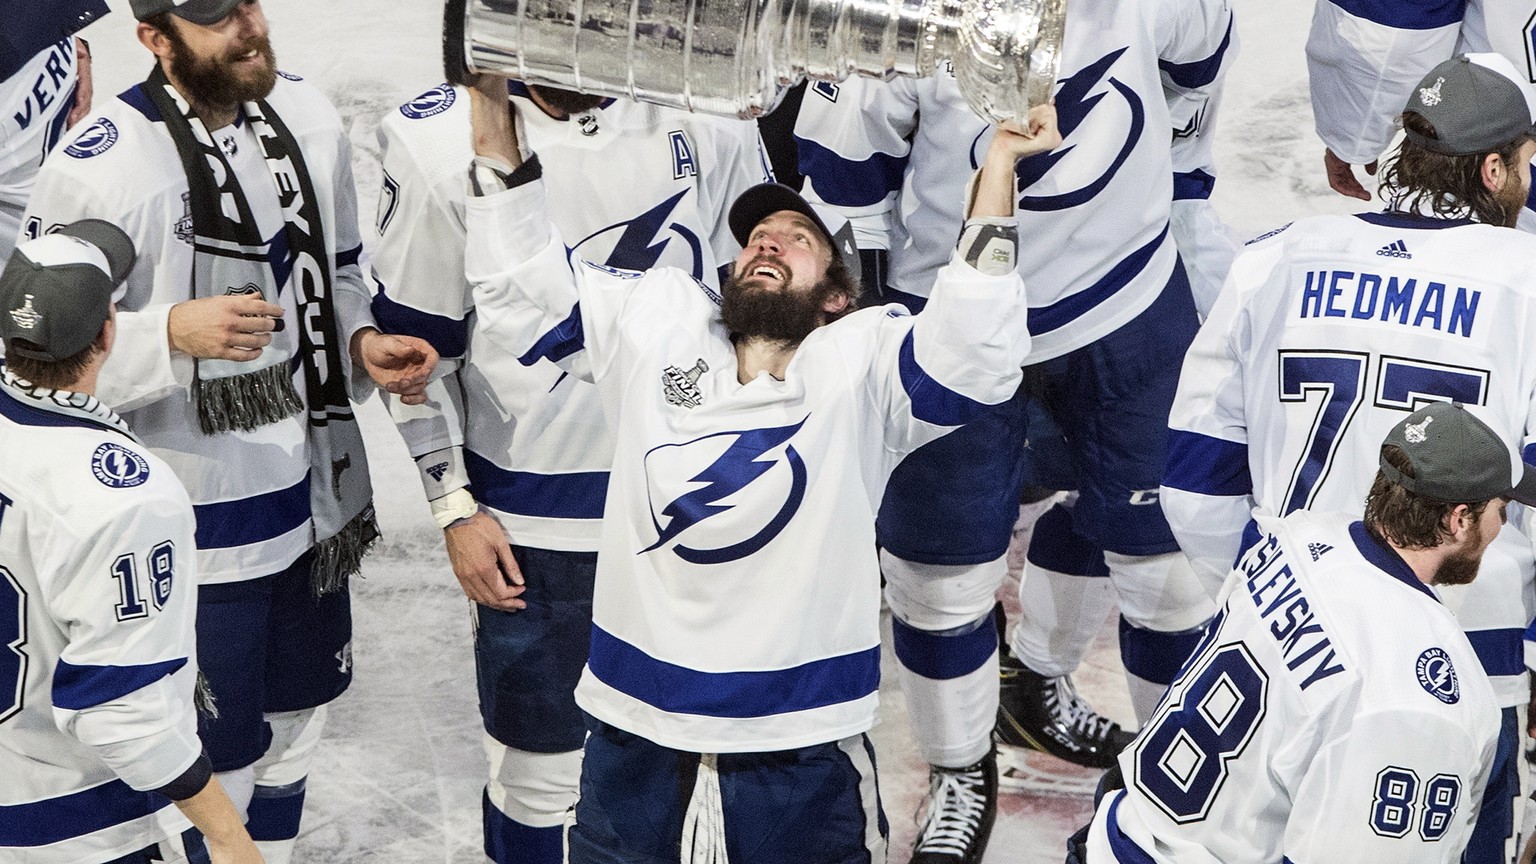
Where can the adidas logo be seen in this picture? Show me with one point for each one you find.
(1318, 550)
(1396, 249)
(437, 471)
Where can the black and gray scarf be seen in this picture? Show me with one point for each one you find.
(231, 257)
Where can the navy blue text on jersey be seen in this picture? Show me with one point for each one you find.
(1303, 643)
(1408, 301)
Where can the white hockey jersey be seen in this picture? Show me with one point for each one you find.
(634, 186)
(737, 599)
(98, 593)
(1334, 712)
(34, 103)
(1093, 214)
(250, 489)
(1328, 333)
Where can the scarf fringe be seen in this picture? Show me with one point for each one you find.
(339, 558)
(246, 402)
(202, 698)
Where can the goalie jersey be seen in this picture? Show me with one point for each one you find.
(1334, 712)
(636, 186)
(1327, 333)
(736, 607)
(97, 658)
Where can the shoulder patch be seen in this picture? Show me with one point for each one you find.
(613, 271)
(289, 75)
(94, 141)
(1268, 234)
(119, 467)
(430, 104)
(1437, 676)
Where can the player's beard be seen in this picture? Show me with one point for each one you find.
(214, 81)
(1460, 567)
(1512, 199)
(567, 102)
(782, 315)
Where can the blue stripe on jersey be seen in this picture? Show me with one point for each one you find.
(138, 100)
(53, 820)
(680, 690)
(1530, 198)
(76, 688)
(1529, 453)
(1154, 655)
(1122, 847)
(1199, 72)
(1385, 559)
(572, 495)
(1251, 536)
(19, 412)
(1193, 185)
(1394, 219)
(844, 182)
(565, 339)
(1416, 15)
(1206, 465)
(932, 402)
(945, 655)
(280, 259)
(1502, 651)
(1044, 319)
(450, 336)
(348, 257)
(244, 521)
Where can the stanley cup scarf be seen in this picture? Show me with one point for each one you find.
(230, 257)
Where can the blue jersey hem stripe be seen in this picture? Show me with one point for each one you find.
(572, 495)
(76, 688)
(565, 339)
(450, 336)
(944, 656)
(1206, 465)
(1199, 72)
(1122, 847)
(932, 402)
(256, 519)
(1419, 15)
(55, 820)
(1045, 319)
(1501, 651)
(844, 182)
(740, 695)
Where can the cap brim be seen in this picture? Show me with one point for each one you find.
(112, 242)
(205, 12)
(1525, 490)
(764, 200)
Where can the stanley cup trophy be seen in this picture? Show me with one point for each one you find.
(739, 57)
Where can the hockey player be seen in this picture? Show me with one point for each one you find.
(233, 365)
(1299, 730)
(45, 87)
(98, 588)
(1333, 327)
(735, 650)
(1111, 309)
(521, 450)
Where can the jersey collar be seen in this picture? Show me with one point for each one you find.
(1404, 219)
(30, 405)
(1386, 559)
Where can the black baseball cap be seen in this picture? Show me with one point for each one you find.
(1477, 104)
(766, 199)
(1457, 458)
(56, 291)
(203, 12)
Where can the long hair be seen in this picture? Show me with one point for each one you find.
(1404, 519)
(1422, 180)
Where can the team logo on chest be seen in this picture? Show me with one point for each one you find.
(682, 388)
(726, 495)
(1437, 676)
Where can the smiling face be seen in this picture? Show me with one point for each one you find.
(221, 64)
(780, 288)
(784, 251)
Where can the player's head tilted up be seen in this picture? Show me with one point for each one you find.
(1441, 468)
(794, 273)
(1471, 133)
(56, 301)
(215, 52)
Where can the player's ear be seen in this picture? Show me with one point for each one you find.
(1458, 523)
(155, 40)
(1494, 174)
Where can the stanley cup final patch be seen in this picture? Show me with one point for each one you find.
(682, 386)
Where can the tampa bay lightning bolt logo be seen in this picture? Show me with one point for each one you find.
(1097, 157)
(94, 141)
(429, 104)
(1437, 676)
(118, 467)
(738, 491)
(644, 239)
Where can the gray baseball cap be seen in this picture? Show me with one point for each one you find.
(766, 199)
(203, 12)
(56, 291)
(1477, 104)
(1457, 458)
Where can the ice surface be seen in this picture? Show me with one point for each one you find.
(398, 777)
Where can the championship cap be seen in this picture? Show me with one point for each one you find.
(766, 199)
(1456, 458)
(1477, 104)
(203, 12)
(56, 291)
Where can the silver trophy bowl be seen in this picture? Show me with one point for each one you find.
(739, 57)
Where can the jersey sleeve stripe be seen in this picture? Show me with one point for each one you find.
(76, 688)
(243, 521)
(1194, 185)
(565, 339)
(1414, 15)
(844, 182)
(1501, 651)
(348, 257)
(1206, 465)
(1198, 73)
(740, 695)
(450, 336)
(573, 495)
(943, 656)
(53, 820)
(932, 402)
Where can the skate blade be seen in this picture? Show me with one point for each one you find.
(1021, 771)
